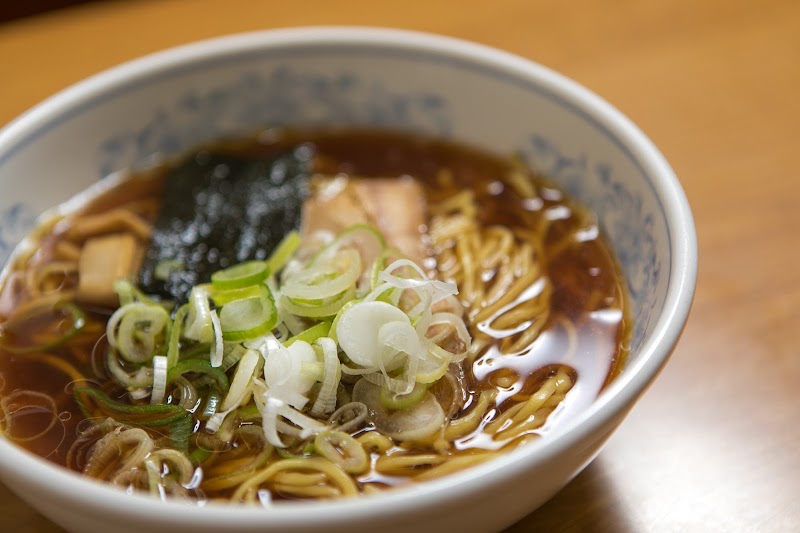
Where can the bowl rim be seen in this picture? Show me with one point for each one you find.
(615, 399)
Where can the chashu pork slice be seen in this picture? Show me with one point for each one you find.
(395, 206)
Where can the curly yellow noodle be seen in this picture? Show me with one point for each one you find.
(532, 413)
(468, 423)
(46, 280)
(519, 180)
(229, 466)
(505, 378)
(466, 253)
(312, 491)
(233, 476)
(572, 335)
(522, 411)
(521, 284)
(455, 464)
(499, 246)
(299, 479)
(399, 464)
(371, 488)
(375, 442)
(467, 287)
(67, 251)
(247, 491)
(533, 422)
(178, 462)
(463, 202)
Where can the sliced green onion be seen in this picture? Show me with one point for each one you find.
(221, 298)
(173, 345)
(198, 321)
(411, 424)
(284, 251)
(129, 293)
(334, 325)
(434, 365)
(164, 269)
(363, 238)
(272, 408)
(159, 379)
(199, 366)
(326, 396)
(324, 279)
(358, 331)
(217, 348)
(283, 371)
(195, 350)
(211, 405)
(95, 404)
(250, 317)
(311, 334)
(312, 370)
(77, 320)
(240, 276)
(133, 380)
(199, 455)
(394, 401)
(343, 450)
(135, 330)
(241, 380)
(249, 412)
(318, 311)
(232, 354)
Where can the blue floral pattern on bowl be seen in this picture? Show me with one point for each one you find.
(621, 213)
(284, 96)
(15, 222)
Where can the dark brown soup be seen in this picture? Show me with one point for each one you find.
(294, 344)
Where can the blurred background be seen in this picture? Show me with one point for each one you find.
(16, 10)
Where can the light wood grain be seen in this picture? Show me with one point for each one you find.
(713, 446)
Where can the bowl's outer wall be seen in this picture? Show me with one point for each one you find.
(389, 80)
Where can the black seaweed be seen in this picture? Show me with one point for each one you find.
(219, 210)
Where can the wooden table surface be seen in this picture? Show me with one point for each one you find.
(715, 444)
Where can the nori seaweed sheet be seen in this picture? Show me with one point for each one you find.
(219, 210)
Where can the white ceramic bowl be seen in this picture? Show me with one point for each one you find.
(174, 100)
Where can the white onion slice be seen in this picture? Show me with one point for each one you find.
(159, 379)
(415, 423)
(217, 350)
(241, 380)
(326, 397)
(324, 279)
(271, 408)
(282, 371)
(358, 329)
(198, 322)
(441, 289)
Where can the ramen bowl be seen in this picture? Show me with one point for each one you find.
(172, 101)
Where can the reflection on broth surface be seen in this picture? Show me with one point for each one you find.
(307, 315)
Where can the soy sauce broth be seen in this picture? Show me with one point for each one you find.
(588, 288)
